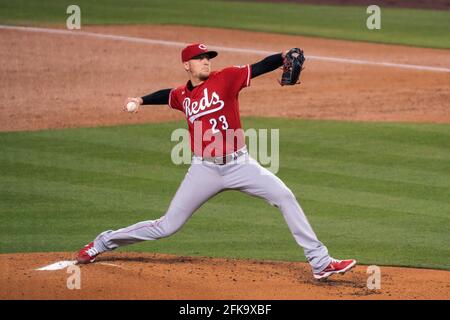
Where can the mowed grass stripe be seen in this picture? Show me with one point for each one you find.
(423, 181)
(394, 173)
(373, 200)
(103, 182)
(318, 147)
(385, 139)
(388, 131)
(386, 147)
(106, 146)
(107, 181)
(62, 172)
(130, 166)
(372, 185)
(60, 188)
(95, 196)
(375, 157)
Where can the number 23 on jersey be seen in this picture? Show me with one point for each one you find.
(223, 124)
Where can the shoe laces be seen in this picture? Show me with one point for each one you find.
(335, 260)
(92, 252)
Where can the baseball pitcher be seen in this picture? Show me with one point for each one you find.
(209, 100)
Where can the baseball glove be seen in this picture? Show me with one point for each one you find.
(292, 67)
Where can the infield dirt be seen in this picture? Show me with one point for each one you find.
(60, 81)
(158, 276)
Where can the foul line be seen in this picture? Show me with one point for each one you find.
(225, 49)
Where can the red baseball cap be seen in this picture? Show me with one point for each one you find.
(196, 49)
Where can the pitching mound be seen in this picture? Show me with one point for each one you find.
(157, 276)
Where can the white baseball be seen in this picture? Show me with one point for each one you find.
(131, 106)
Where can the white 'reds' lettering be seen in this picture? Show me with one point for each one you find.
(196, 109)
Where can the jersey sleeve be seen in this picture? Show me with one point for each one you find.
(174, 101)
(237, 77)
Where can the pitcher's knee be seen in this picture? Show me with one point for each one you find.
(169, 228)
(170, 231)
(283, 195)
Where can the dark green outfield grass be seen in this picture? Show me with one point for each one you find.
(377, 192)
(415, 27)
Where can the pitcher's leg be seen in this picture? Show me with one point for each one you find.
(200, 183)
(253, 179)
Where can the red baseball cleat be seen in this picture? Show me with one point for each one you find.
(335, 266)
(87, 254)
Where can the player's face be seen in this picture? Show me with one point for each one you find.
(199, 67)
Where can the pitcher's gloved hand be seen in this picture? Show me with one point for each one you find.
(292, 67)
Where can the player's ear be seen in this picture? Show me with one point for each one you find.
(186, 66)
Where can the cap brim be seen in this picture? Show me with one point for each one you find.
(211, 54)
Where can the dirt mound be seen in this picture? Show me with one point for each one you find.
(60, 80)
(157, 276)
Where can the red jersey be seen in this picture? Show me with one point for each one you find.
(212, 111)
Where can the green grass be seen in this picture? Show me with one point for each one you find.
(427, 28)
(378, 192)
